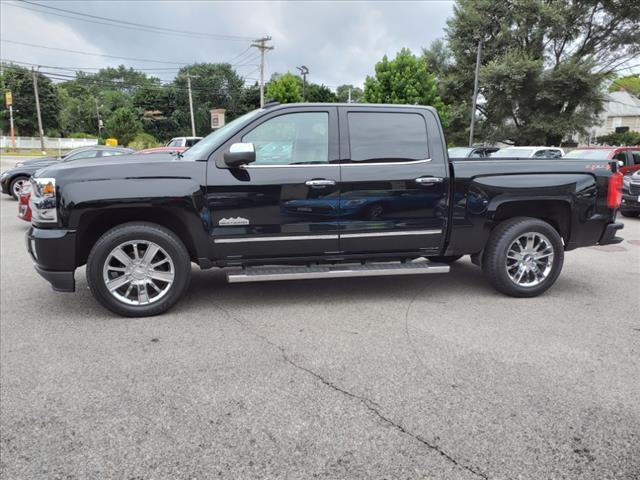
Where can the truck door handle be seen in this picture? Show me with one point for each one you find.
(429, 180)
(319, 183)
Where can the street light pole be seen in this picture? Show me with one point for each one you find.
(475, 94)
(304, 71)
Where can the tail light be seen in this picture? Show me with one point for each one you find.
(614, 195)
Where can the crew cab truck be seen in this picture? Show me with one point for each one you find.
(314, 191)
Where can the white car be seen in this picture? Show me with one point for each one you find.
(528, 152)
(183, 141)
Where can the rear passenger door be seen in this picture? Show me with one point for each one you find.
(394, 180)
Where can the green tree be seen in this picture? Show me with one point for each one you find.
(19, 81)
(630, 83)
(342, 93)
(405, 79)
(285, 88)
(315, 93)
(627, 138)
(214, 85)
(124, 125)
(544, 63)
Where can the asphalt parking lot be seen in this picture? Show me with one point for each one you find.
(396, 378)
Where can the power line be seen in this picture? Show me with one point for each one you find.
(125, 24)
(33, 45)
(94, 54)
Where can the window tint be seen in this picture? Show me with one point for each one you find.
(83, 154)
(621, 156)
(111, 153)
(190, 142)
(387, 137)
(293, 138)
(636, 156)
(541, 154)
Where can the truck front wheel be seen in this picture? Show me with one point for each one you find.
(138, 269)
(523, 257)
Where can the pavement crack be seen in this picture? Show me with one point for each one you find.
(372, 406)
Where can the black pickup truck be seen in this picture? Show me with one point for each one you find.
(314, 191)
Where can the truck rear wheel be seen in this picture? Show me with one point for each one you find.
(138, 269)
(523, 257)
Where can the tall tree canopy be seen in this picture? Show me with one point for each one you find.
(543, 62)
(630, 83)
(342, 93)
(405, 79)
(285, 88)
(19, 81)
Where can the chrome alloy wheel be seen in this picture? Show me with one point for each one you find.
(138, 272)
(18, 185)
(529, 259)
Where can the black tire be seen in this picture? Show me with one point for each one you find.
(629, 214)
(445, 259)
(141, 231)
(19, 178)
(494, 259)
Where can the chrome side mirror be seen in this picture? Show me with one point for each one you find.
(240, 154)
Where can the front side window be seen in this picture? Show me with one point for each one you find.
(621, 157)
(387, 137)
(291, 139)
(111, 153)
(80, 155)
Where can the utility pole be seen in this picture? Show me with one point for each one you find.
(304, 71)
(349, 99)
(99, 119)
(475, 94)
(35, 89)
(261, 44)
(193, 122)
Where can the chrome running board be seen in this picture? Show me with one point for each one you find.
(295, 272)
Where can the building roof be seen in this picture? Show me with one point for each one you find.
(622, 104)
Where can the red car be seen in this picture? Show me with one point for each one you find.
(630, 156)
(161, 150)
(24, 211)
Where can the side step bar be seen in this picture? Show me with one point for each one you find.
(294, 272)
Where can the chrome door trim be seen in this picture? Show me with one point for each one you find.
(362, 164)
(275, 239)
(390, 234)
(284, 165)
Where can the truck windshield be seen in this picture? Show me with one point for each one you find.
(202, 149)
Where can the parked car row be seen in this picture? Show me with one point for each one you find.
(14, 180)
(627, 157)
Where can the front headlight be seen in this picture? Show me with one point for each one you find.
(43, 200)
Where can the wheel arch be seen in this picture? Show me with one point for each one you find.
(94, 224)
(556, 213)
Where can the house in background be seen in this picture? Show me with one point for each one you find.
(621, 111)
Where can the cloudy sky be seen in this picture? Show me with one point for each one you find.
(339, 42)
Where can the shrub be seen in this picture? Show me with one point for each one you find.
(81, 135)
(629, 139)
(143, 140)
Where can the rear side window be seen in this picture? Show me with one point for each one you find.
(190, 142)
(387, 137)
(636, 156)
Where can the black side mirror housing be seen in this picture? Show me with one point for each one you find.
(240, 154)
